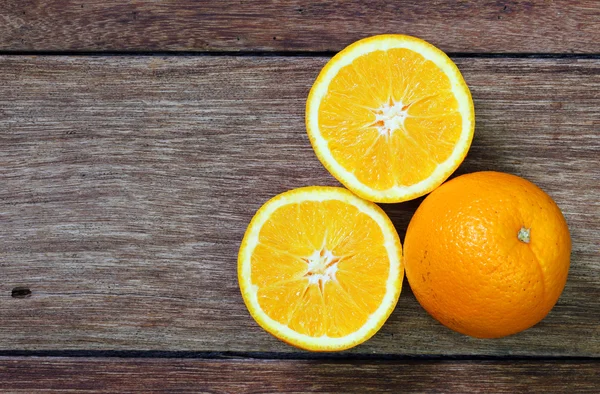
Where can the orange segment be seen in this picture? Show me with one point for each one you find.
(367, 300)
(282, 300)
(339, 114)
(286, 232)
(320, 268)
(414, 77)
(390, 117)
(365, 269)
(272, 266)
(435, 105)
(355, 84)
(345, 315)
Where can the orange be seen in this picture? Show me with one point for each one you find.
(390, 117)
(320, 268)
(487, 254)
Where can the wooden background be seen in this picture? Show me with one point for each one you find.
(138, 138)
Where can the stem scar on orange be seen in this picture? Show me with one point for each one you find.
(487, 254)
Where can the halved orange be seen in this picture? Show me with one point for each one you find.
(320, 268)
(390, 117)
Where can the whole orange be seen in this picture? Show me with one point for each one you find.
(487, 254)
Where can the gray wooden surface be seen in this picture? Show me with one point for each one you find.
(126, 184)
(92, 375)
(474, 26)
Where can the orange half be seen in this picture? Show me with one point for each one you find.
(390, 117)
(320, 268)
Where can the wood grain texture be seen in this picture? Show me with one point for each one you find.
(126, 184)
(293, 376)
(566, 26)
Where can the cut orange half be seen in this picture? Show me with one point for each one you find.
(390, 117)
(320, 268)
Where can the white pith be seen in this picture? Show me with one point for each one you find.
(321, 268)
(390, 117)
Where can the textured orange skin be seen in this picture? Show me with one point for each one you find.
(467, 267)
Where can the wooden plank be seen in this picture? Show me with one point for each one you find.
(32, 375)
(569, 26)
(127, 184)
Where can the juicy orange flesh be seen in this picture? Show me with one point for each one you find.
(334, 306)
(404, 152)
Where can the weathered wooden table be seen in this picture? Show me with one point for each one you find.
(138, 138)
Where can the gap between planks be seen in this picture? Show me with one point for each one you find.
(458, 55)
(299, 356)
